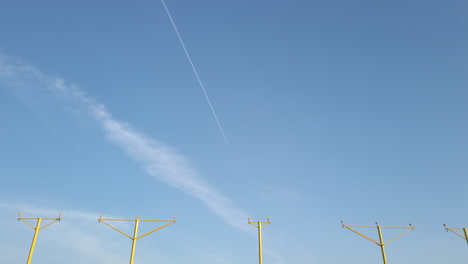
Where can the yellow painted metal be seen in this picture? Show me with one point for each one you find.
(260, 251)
(134, 239)
(465, 231)
(382, 247)
(259, 225)
(381, 242)
(33, 243)
(466, 234)
(135, 236)
(36, 231)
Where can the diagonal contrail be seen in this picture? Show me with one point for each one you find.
(156, 158)
(194, 70)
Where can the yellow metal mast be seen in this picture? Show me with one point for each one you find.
(465, 231)
(259, 225)
(135, 236)
(36, 230)
(381, 242)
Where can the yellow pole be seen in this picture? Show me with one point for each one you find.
(466, 234)
(33, 244)
(260, 242)
(259, 225)
(135, 236)
(134, 239)
(453, 230)
(382, 244)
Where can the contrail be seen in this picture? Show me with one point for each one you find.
(154, 157)
(194, 70)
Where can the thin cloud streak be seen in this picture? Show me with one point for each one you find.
(194, 70)
(90, 243)
(28, 209)
(156, 158)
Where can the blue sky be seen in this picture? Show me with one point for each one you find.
(333, 110)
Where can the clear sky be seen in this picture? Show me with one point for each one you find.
(333, 110)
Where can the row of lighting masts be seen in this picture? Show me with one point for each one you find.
(258, 224)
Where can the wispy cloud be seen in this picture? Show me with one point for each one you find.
(29, 210)
(156, 158)
(46, 212)
(89, 244)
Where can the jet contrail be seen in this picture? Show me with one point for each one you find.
(194, 70)
(156, 158)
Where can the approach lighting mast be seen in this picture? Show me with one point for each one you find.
(135, 236)
(259, 225)
(381, 242)
(36, 230)
(451, 229)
